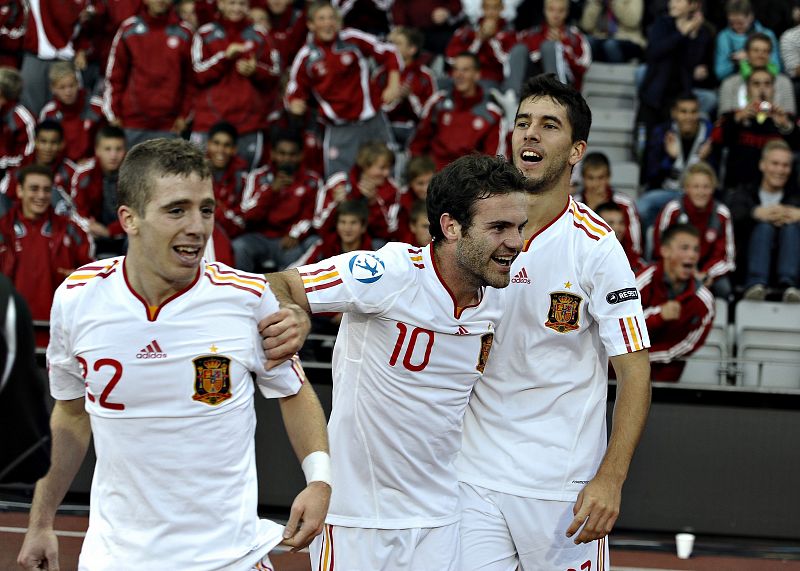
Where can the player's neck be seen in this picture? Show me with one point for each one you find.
(153, 288)
(465, 292)
(544, 207)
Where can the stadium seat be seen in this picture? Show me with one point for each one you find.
(709, 365)
(610, 86)
(612, 132)
(625, 177)
(768, 344)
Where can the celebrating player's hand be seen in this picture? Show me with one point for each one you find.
(596, 509)
(307, 515)
(39, 550)
(283, 333)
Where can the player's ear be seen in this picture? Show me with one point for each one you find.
(128, 219)
(451, 228)
(577, 152)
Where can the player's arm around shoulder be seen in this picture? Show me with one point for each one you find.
(284, 332)
(71, 431)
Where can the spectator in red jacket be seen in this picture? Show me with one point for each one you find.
(615, 216)
(417, 84)
(39, 248)
(278, 208)
(459, 120)
(80, 114)
(556, 47)
(149, 75)
(678, 309)
(491, 39)
(596, 190)
(419, 225)
(436, 19)
(48, 38)
(48, 152)
(229, 174)
(17, 125)
(712, 220)
(419, 172)
(333, 68)
(350, 221)
(13, 23)
(369, 180)
(94, 191)
(287, 27)
(237, 71)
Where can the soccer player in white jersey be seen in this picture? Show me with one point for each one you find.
(416, 333)
(154, 355)
(540, 490)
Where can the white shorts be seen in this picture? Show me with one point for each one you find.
(503, 532)
(340, 548)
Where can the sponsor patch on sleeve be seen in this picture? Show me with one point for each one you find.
(622, 295)
(367, 268)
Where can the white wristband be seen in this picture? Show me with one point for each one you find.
(317, 467)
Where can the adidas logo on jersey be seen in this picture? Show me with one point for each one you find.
(152, 351)
(521, 277)
(462, 330)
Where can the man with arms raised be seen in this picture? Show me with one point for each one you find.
(540, 490)
(173, 423)
(416, 333)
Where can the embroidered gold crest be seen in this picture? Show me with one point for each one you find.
(564, 314)
(212, 382)
(486, 346)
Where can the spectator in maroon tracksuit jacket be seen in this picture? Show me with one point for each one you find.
(13, 23)
(419, 172)
(94, 191)
(678, 309)
(229, 174)
(149, 82)
(48, 38)
(556, 47)
(333, 69)
(436, 19)
(417, 84)
(39, 248)
(711, 218)
(237, 71)
(287, 27)
(277, 207)
(369, 180)
(614, 215)
(459, 120)
(48, 152)
(79, 113)
(491, 39)
(17, 125)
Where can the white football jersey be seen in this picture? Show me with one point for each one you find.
(169, 391)
(536, 423)
(404, 364)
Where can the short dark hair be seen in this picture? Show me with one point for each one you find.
(684, 96)
(680, 228)
(418, 208)
(474, 57)
(226, 128)
(757, 37)
(50, 125)
(414, 36)
(152, 159)
(25, 172)
(418, 166)
(290, 135)
(578, 112)
(457, 187)
(738, 7)
(109, 132)
(608, 207)
(353, 207)
(595, 160)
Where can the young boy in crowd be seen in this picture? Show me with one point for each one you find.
(614, 215)
(678, 309)
(228, 175)
(418, 175)
(713, 222)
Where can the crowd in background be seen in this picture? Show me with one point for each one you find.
(324, 122)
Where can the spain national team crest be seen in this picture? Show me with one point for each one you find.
(564, 315)
(212, 380)
(486, 347)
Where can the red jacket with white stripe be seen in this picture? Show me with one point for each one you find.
(223, 93)
(576, 51)
(13, 24)
(453, 126)
(337, 75)
(421, 85)
(382, 221)
(149, 79)
(717, 246)
(17, 134)
(674, 339)
(94, 196)
(632, 241)
(492, 53)
(80, 122)
(96, 35)
(277, 213)
(229, 187)
(51, 27)
(288, 31)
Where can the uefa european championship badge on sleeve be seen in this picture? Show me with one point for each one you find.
(367, 268)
